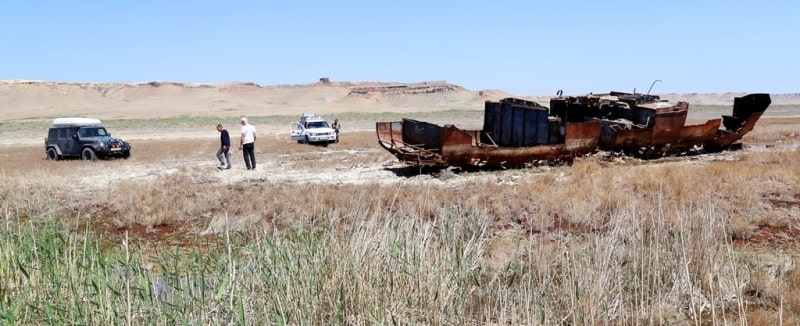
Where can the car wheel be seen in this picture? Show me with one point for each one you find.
(88, 154)
(52, 154)
(126, 155)
(307, 142)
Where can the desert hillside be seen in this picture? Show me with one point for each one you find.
(45, 99)
(35, 99)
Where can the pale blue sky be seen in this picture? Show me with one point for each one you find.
(524, 47)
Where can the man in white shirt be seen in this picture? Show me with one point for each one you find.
(247, 144)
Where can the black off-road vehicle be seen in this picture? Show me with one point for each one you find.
(84, 138)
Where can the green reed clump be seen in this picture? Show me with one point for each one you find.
(376, 270)
(650, 263)
(52, 274)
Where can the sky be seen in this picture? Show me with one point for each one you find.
(522, 47)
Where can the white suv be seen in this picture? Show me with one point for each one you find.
(312, 129)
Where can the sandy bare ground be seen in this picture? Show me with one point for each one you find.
(285, 162)
(331, 166)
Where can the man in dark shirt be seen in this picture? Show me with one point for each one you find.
(224, 148)
(336, 126)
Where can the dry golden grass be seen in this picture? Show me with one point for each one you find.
(624, 242)
(774, 130)
(586, 194)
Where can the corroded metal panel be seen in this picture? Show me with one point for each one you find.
(668, 123)
(694, 135)
(746, 112)
(581, 138)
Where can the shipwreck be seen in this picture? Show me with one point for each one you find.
(644, 125)
(518, 132)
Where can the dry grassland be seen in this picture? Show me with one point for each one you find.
(345, 235)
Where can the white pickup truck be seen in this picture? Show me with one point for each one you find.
(312, 129)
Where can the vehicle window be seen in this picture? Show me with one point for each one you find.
(318, 124)
(62, 133)
(93, 132)
(52, 135)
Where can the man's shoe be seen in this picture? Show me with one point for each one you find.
(228, 167)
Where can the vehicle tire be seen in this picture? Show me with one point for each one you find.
(325, 144)
(87, 154)
(307, 142)
(126, 155)
(52, 154)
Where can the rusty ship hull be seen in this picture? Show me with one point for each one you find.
(646, 125)
(517, 132)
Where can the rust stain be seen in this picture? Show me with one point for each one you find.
(144, 231)
(775, 237)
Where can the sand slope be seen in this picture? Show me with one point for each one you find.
(46, 100)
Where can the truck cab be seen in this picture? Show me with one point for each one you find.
(311, 128)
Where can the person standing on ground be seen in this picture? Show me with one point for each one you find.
(224, 148)
(247, 144)
(336, 126)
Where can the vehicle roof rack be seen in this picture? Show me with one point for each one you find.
(75, 122)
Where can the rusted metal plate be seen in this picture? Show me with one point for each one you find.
(667, 127)
(389, 131)
(580, 139)
(668, 124)
(724, 138)
(746, 112)
(390, 137)
(694, 135)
